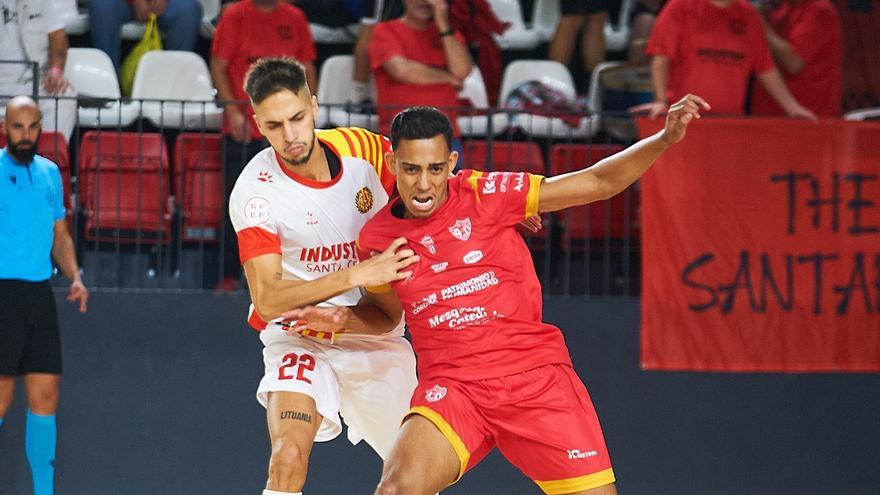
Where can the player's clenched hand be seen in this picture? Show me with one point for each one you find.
(79, 293)
(319, 319)
(385, 267)
(680, 115)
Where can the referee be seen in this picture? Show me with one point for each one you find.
(32, 232)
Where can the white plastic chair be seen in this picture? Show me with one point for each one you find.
(545, 18)
(517, 37)
(556, 75)
(617, 36)
(92, 74)
(334, 88)
(474, 89)
(176, 75)
(638, 81)
(327, 35)
(863, 114)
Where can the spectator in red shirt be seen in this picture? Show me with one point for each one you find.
(711, 47)
(805, 40)
(418, 60)
(247, 31)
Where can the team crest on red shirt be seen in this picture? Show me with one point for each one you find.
(461, 230)
(435, 394)
(428, 242)
(364, 200)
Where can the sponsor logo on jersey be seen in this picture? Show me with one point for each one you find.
(439, 267)
(336, 252)
(470, 286)
(577, 454)
(504, 176)
(428, 242)
(462, 229)
(256, 210)
(364, 200)
(435, 394)
(489, 186)
(472, 257)
(425, 303)
(311, 219)
(460, 317)
(520, 182)
(265, 176)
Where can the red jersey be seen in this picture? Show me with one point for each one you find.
(246, 33)
(396, 38)
(712, 51)
(812, 28)
(473, 305)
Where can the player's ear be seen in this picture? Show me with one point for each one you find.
(259, 123)
(453, 160)
(314, 100)
(391, 161)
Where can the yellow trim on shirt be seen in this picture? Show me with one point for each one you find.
(532, 197)
(473, 181)
(578, 484)
(446, 429)
(379, 289)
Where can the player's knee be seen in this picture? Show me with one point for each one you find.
(43, 400)
(397, 483)
(288, 460)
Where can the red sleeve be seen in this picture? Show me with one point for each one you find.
(305, 49)
(762, 58)
(254, 241)
(808, 37)
(383, 45)
(506, 197)
(225, 40)
(667, 29)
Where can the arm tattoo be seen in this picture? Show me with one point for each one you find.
(296, 416)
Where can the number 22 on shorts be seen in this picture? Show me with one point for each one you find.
(302, 362)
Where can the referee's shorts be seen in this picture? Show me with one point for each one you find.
(29, 337)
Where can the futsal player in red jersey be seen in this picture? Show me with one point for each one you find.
(491, 373)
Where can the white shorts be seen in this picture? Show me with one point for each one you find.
(368, 380)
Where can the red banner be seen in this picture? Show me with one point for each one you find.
(761, 248)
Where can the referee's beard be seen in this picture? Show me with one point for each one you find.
(23, 151)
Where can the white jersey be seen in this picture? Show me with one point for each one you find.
(313, 225)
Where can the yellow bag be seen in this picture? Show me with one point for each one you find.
(151, 41)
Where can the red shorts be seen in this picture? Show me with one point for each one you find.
(542, 421)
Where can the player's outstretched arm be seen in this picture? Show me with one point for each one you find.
(374, 314)
(615, 173)
(273, 295)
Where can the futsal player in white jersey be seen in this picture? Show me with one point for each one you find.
(297, 208)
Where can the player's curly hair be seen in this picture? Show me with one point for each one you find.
(420, 123)
(269, 75)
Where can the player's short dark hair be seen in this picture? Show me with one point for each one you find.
(269, 75)
(420, 123)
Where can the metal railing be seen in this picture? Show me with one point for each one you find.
(147, 202)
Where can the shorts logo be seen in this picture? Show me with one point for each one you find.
(472, 257)
(435, 393)
(428, 242)
(364, 200)
(577, 454)
(461, 230)
(439, 267)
